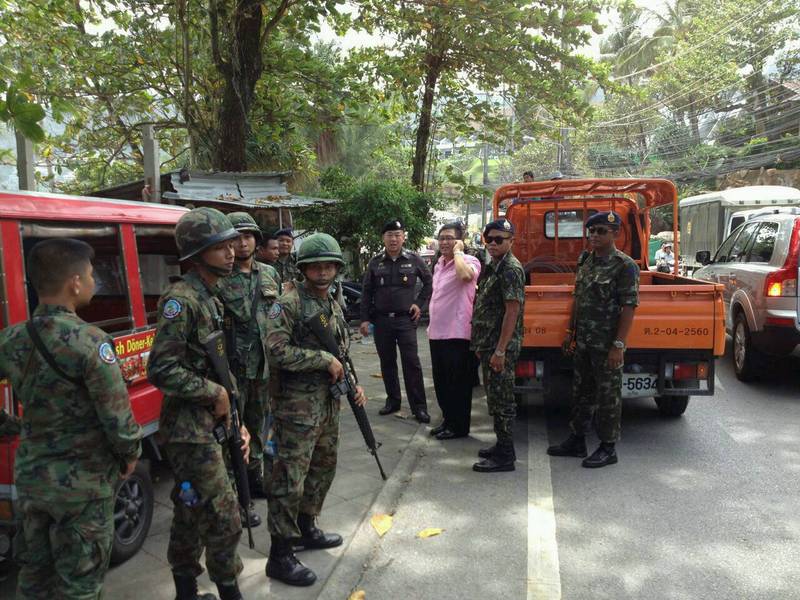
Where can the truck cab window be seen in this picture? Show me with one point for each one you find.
(570, 223)
(110, 307)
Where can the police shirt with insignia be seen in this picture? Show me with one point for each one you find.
(603, 285)
(74, 438)
(390, 284)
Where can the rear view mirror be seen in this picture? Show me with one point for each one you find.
(703, 257)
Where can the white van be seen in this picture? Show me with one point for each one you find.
(706, 220)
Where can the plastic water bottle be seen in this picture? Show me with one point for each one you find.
(188, 495)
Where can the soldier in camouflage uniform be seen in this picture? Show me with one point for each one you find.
(78, 435)
(287, 262)
(306, 426)
(497, 340)
(189, 311)
(606, 294)
(248, 295)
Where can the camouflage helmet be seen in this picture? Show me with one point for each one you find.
(319, 247)
(201, 228)
(243, 221)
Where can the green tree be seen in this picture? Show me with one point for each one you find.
(442, 51)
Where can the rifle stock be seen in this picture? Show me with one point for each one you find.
(320, 326)
(214, 345)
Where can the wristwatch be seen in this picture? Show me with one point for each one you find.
(499, 353)
(619, 344)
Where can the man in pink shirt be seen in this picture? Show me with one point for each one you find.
(454, 279)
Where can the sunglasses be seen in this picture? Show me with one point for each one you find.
(496, 239)
(598, 230)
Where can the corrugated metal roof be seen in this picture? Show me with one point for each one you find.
(251, 190)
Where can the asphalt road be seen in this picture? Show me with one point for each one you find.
(703, 506)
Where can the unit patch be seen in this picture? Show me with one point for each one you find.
(275, 311)
(172, 308)
(106, 353)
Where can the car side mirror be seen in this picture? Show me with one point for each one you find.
(703, 257)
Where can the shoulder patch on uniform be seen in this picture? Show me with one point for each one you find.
(172, 308)
(106, 353)
(275, 310)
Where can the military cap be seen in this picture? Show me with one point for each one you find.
(393, 225)
(500, 225)
(285, 231)
(607, 218)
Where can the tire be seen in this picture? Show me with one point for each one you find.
(747, 360)
(672, 406)
(133, 513)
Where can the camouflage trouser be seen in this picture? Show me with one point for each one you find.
(255, 399)
(213, 524)
(302, 470)
(67, 546)
(500, 396)
(596, 393)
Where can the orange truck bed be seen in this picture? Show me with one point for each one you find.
(679, 325)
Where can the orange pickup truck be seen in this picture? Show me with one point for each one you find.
(679, 326)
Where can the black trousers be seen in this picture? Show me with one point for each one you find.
(391, 333)
(453, 370)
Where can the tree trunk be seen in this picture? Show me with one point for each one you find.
(433, 68)
(241, 73)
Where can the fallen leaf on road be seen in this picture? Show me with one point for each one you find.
(429, 532)
(358, 595)
(377, 375)
(381, 523)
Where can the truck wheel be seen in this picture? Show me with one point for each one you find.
(133, 513)
(672, 406)
(747, 360)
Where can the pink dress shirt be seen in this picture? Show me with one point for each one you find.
(451, 304)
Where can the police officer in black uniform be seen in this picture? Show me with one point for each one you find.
(390, 300)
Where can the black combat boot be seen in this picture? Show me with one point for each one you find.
(283, 565)
(502, 460)
(313, 537)
(251, 515)
(604, 455)
(229, 591)
(490, 451)
(574, 445)
(255, 477)
(186, 588)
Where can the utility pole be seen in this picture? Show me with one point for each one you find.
(26, 174)
(152, 164)
(485, 184)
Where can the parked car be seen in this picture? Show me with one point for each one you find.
(707, 219)
(351, 290)
(757, 265)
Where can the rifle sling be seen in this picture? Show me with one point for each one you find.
(37, 341)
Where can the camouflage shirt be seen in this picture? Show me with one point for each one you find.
(178, 365)
(602, 287)
(237, 294)
(74, 438)
(299, 355)
(287, 268)
(500, 281)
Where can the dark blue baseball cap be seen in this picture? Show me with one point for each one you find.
(285, 231)
(500, 225)
(608, 218)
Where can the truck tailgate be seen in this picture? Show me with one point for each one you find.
(683, 315)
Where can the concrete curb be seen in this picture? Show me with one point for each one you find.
(346, 575)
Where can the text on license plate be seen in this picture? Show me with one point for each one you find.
(635, 385)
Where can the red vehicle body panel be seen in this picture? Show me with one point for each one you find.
(133, 345)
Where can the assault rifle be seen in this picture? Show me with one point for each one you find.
(214, 345)
(320, 327)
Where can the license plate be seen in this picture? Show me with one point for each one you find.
(638, 385)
